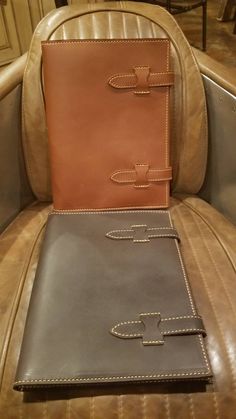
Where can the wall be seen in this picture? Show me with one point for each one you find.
(18, 19)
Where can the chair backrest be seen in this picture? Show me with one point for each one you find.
(120, 20)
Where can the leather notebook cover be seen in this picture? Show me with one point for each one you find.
(111, 303)
(107, 107)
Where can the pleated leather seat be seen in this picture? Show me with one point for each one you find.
(208, 240)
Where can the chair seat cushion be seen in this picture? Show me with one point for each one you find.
(208, 247)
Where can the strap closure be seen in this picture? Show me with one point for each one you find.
(152, 328)
(141, 176)
(141, 233)
(141, 79)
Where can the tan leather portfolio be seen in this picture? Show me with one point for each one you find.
(111, 302)
(107, 107)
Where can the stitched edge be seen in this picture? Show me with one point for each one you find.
(184, 273)
(113, 330)
(87, 211)
(195, 329)
(140, 225)
(137, 164)
(182, 317)
(133, 172)
(141, 92)
(131, 75)
(112, 234)
(190, 299)
(124, 383)
(77, 41)
(152, 376)
(163, 332)
(167, 188)
(142, 186)
(196, 215)
(150, 236)
(167, 41)
(156, 236)
(103, 210)
(114, 377)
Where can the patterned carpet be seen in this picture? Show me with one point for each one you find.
(221, 42)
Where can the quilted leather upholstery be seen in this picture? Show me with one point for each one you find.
(208, 240)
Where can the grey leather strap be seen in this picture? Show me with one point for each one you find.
(141, 233)
(152, 328)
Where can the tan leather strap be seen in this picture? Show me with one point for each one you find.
(152, 328)
(141, 80)
(141, 176)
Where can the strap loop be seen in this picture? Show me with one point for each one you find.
(152, 328)
(141, 79)
(141, 233)
(141, 176)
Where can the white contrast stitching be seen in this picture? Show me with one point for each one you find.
(59, 380)
(113, 330)
(163, 332)
(167, 406)
(153, 376)
(112, 234)
(191, 407)
(183, 330)
(150, 236)
(76, 41)
(204, 352)
(182, 317)
(132, 76)
(141, 92)
(184, 273)
(87, 211)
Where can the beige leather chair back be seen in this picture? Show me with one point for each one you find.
(120, 20)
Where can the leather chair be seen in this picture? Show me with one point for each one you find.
(181, 6)
(175, 7)
(208, 238)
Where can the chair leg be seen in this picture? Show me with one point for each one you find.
(204, 25)
(234, 29)
(168, 6)
(60, 3)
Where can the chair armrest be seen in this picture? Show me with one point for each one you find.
(12, 75)
(217, 72)
(15, 192)
(219, 187)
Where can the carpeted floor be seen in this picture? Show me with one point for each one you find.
(221, 42)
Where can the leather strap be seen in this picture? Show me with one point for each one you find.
(152, 328)
(141, 176)
(141, 233)
(141, 79)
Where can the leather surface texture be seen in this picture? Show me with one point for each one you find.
(219, 187)
(108, 132)
(208, 248)
(220, 74)
(120, 20)
(15, 192)
(143, 323)
(12, 75)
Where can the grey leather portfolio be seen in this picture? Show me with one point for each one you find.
(111, 303)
